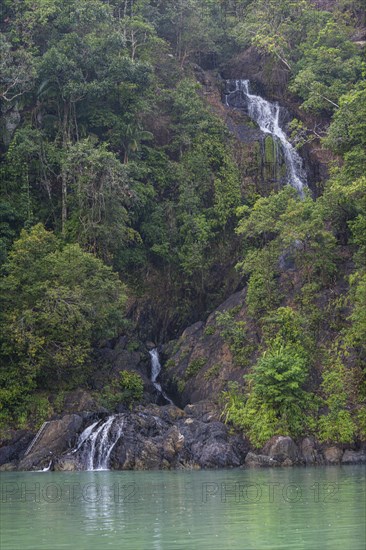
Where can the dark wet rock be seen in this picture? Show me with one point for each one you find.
(282, 449)
(269, 78)
(9, 467)
(173, 439)
(253, 460)
(13, 447)
(66, 464)
(202, 347)
(354, 457)
(80, 400)
(333, 454)
(56, 437)
(310, 452)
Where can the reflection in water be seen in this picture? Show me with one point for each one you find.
(297, 508)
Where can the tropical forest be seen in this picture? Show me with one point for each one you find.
(183, 188)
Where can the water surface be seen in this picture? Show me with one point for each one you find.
(295, 508)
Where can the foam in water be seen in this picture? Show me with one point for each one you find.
(267, 116)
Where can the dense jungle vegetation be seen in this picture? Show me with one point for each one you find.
(121, 191)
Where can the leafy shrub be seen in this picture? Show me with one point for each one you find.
(194, 367)
(234, 333)
(338, 424)
(212, 372)
(170, 364)
(127, 389)
(209, 330)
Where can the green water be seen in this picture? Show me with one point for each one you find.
(297, 508)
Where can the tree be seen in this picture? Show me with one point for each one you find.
(275, 401)
(58, 302)
(328, 67)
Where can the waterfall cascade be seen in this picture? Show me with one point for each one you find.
(155, 371)
(267, 116)
(97, 442)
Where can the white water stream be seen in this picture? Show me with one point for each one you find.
(267, 116)
(155, 371)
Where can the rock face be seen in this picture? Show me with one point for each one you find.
(271, 78)
(167, 437)
(12, 448)
(354, 457)
(153, 437)
(56, 437)
(199, 365)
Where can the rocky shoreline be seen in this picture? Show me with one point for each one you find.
(167, 437)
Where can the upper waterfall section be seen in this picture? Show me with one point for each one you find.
(267, 116)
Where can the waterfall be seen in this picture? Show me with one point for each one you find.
(155, 371)
(267, 116)
(97, 441)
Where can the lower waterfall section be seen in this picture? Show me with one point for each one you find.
(97, 442)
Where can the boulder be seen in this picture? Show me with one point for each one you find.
(333, 454)
(80, 400)
(354, 457)
(56, 437)
(309, 452)
(282, 449)
(66, 464)
(219, 454)
(253, 460)
(13, 448)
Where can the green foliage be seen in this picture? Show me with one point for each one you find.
(170, 364)
(58, 302)
(127, 389)
(279, 230)
(194, 367)
(328, 67)
(131, 386)
(348, 127)
(209, 330)
(337, 426)
(356, 334)
(107, 140)
(180, 384)
(235, 334)
(212, 373)
(133, 346)
(275, 401)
